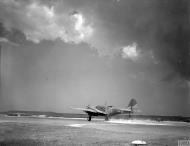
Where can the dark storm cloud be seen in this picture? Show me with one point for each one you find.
(170, 36)
(13, 36)
(159, 28)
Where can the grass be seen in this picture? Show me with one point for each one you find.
(55, 132)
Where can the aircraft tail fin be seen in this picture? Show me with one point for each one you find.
(132, 103)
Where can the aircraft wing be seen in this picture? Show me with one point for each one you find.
(93, 110)
(85, 109)
(126, 110)
(99, 111)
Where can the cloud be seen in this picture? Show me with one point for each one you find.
(159, 27)
(84, 31)
(130, 52)
(5, 40)
(39, 21)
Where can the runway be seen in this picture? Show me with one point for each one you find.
(78, 131)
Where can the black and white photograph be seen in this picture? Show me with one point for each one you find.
(94, 72)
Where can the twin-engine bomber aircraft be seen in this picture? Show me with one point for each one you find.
(108, 111)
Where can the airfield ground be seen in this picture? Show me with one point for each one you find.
(21, 131)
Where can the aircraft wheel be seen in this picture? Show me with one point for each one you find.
(89, 118)
(106, 118)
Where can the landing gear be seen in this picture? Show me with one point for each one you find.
(130, 115)
(106, 118)
(89, 118)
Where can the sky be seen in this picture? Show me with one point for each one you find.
(58, 54)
